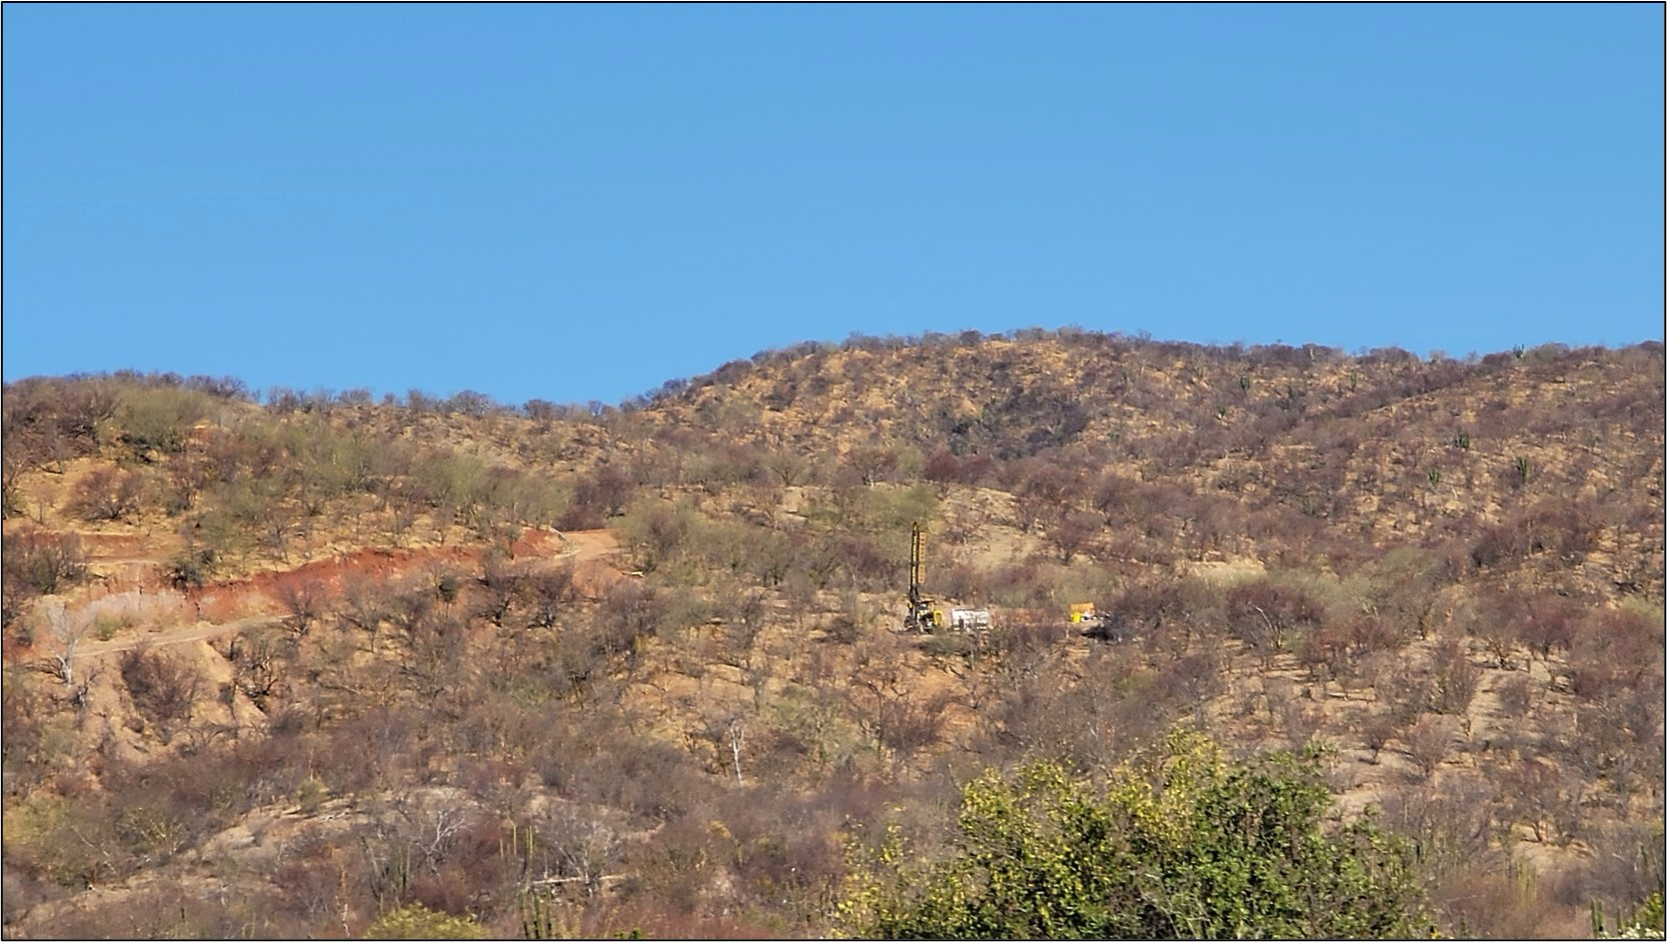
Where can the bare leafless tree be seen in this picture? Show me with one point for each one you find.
(164, 689)
(1428, 742)
(1456, 678)
(107, 493)
(305, 599)
(67, 630)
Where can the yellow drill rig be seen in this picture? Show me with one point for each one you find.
(922, 615)
(1085, 614)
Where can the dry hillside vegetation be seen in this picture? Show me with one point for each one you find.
(311, 664)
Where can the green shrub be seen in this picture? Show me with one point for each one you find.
(159, 418)
(1184, 844)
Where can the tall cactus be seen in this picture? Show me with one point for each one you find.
(543, 917)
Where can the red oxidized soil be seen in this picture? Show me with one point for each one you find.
(260, 594)
(587, 550)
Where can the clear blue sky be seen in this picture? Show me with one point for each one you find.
(576, 203)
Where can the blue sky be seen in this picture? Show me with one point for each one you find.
(575, 203)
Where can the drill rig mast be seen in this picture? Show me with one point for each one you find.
(922, 616)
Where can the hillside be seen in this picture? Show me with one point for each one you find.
(281, 665)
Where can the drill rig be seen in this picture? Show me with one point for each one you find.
(923, 614)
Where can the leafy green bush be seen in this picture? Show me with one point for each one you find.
(160, 417)
(1184, 844)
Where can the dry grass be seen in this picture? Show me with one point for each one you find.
(1316, 505)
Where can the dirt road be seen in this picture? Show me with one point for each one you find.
(589, 544)
(179, 635)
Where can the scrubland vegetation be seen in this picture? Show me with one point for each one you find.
(1385, 650)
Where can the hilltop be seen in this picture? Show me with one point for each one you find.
(608, 668)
